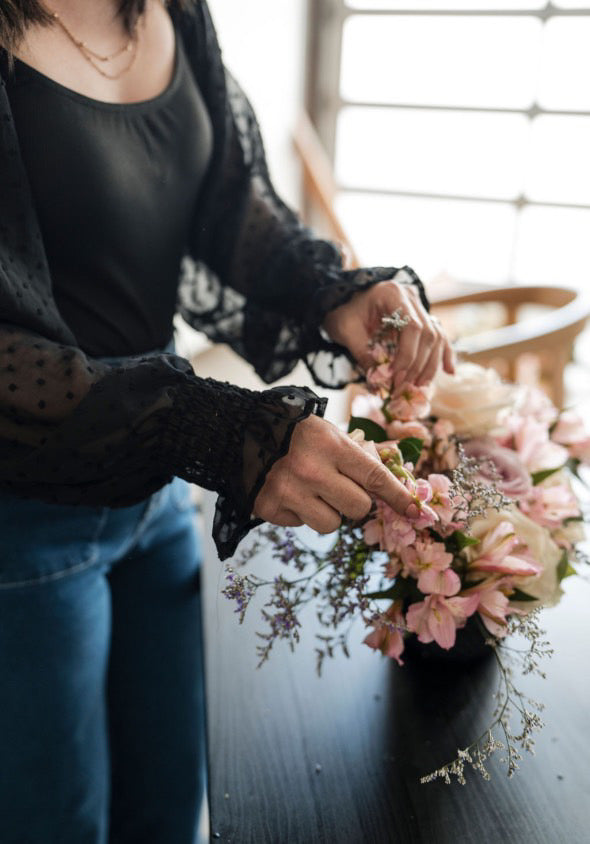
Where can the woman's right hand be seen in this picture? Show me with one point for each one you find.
(326, 475)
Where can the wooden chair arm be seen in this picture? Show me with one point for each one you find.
(562, 324)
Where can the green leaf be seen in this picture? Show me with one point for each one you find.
(370, 429)
(411, 448)
(458, 540)
(519, 595)
(565, 568)
(539, 477)
(573, 464)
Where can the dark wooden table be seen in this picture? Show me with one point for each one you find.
(297, 759)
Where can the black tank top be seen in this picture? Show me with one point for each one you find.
(114, 188)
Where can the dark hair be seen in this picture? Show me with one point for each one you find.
(17, 15)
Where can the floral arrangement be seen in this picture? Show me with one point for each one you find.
(494, 530)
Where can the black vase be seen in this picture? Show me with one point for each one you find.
(470, 646)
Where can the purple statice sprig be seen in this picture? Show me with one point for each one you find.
(335, 581)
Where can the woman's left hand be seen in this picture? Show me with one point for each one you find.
(423, 345)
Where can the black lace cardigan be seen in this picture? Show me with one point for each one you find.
(74, 430)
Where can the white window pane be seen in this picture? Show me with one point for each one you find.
(558, 164)
(552, 247)
(432, 151)
(565, 69)
(459, 5)
(572, 4)
(469, 240)
(441, 61)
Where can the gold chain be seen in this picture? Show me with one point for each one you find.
(92, 57)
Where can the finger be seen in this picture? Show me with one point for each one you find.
(319, 515)
(449, 359)
(428, 339)
(285, 518)
(347, 498)
(431, 366)
(374, 478)
(408, 346)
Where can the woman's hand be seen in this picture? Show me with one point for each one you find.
(325, 476)
(423, 345)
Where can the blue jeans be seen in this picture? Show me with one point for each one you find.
(101, 697)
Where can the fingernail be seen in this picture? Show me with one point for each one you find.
(412, 511)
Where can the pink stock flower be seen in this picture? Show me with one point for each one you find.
(387, 636)
(380, 378)
(441, 501)
(380, 353)
(422, 516)
(436, 618)
(445, 448)
(409, 402)
(550, 506)
(398, 430)
(429, 563)
(389, 530)
(571, 433)
(535, 449)
(501, 552)
(514, 480)
(443, 428)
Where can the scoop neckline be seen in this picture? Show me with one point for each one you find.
(104, 105)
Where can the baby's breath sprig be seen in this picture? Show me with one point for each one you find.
(476, 497)
(511, 701)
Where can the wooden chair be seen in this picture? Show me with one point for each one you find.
(546, 338)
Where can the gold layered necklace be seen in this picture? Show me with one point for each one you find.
(93, 58)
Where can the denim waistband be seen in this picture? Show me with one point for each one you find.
(169, 348)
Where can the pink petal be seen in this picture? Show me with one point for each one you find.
(417, 620)
(395, 646)
(511, 564)
(445, 582)
(462, 607)
(442, 626)
(376, 638)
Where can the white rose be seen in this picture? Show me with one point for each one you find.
(544, 586)
(570, 533)
(472, 399)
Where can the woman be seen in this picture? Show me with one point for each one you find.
(124, 148)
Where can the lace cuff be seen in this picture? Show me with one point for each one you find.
(230, 444)
(329, 363)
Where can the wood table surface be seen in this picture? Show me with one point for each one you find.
(297, 759)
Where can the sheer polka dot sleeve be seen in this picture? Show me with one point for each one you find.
(77, 431)
(256, 278)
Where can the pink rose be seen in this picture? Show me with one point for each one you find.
(514, 480)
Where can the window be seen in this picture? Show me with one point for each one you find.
(460, 134)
